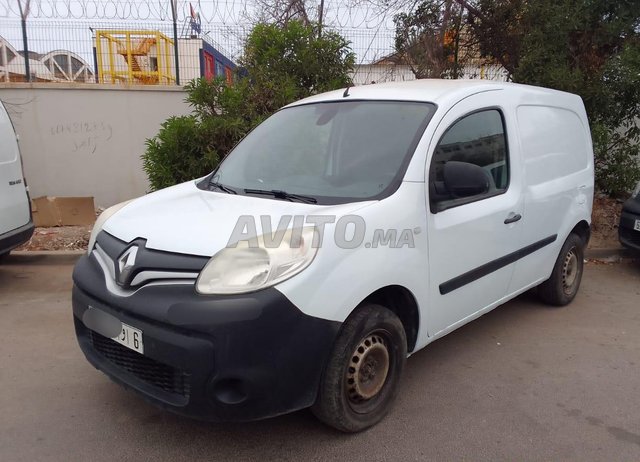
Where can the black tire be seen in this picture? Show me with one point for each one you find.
(561, 288)
(357, 390)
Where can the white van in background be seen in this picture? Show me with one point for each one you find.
(16, 226)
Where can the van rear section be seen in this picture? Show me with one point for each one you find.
(16, 225)
(559, 184)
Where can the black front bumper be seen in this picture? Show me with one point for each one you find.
(13, 239)
(629, 236)
(222, 358)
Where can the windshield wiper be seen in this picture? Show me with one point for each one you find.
(283, 195)
(221, 187)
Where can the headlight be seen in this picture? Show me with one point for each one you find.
(97, 227)
(636, 192)
(246, 268)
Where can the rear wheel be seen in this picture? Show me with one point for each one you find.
(561, 288)
(361, 379)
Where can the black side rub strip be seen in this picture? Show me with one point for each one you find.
(495, 265)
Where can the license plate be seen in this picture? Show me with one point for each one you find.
(637, 227)
(131, 338)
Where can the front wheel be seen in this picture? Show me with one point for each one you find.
(361, 378)
(561, 288)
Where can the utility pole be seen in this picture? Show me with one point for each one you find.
(320, 17)
(174, 13)
(24, 12)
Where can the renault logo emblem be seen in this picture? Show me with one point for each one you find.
(126, 263)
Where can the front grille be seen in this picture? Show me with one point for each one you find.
(630, 236)
(153, 372)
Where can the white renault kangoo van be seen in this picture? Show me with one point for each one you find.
(346, 232)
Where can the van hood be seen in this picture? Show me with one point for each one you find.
(185, 219)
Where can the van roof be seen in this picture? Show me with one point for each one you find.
(428, 90)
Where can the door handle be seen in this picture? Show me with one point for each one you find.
(512, 218)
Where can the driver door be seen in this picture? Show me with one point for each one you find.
(473, 240)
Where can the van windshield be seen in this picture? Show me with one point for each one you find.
(328, 153)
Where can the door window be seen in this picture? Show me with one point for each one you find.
(477, 139)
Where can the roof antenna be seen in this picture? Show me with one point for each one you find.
(346, 90)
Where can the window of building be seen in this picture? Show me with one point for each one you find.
(219, 69)
(228, 73)
(209, 66)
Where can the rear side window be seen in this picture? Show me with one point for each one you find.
(8, 151)
(478, 139)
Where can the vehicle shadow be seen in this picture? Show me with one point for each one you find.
(40, 258)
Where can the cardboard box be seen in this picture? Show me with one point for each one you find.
(63, 211)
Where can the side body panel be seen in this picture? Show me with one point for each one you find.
(558, 174)
(339, 279)
(440, 254)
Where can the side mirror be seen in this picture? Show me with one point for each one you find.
(465, 180)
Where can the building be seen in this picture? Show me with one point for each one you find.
(147, 57)
(395, 68)
(390, 68)
(55, 66)
(199, 58)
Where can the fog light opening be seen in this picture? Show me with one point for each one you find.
(230, 391)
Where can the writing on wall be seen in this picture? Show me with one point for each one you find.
(83, 136)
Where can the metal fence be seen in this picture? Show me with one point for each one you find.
(140, 52)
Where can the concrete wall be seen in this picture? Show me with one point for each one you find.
(379, 73)
(86, 140)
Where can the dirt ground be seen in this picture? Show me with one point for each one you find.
(59, 238)
(605, 220)
(606, 216)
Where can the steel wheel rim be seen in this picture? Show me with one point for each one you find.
(570, 270)
(368, 369)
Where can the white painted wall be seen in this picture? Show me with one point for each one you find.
(379, 73)
(86, 140)
(189, 58)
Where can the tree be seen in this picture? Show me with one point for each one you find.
(428, 39)
(295, 56)
(280, 64)
(587, 47)
(497, 26)
(281, 12)
(591, 48)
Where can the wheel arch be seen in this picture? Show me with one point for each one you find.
(582, 229)
(403, 303)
